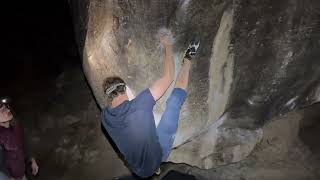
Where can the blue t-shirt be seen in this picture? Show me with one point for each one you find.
(131, 126)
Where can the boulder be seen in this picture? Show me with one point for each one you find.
(257, 60)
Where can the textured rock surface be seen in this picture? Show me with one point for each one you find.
(258, 59)
(280, 155)
(217, 145)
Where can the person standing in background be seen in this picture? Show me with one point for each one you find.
(14, 155)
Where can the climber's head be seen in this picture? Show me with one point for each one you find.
(114, 86)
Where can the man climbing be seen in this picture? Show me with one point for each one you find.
(131, 123)
(13, 149)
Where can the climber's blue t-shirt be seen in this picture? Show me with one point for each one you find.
(131, 126)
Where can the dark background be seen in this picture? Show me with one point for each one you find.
(38, 43)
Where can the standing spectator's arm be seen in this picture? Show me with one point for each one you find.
(29, 157)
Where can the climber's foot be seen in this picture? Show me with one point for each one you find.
(158, 171)
(192, 48)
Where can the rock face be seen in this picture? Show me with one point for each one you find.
(257, 60)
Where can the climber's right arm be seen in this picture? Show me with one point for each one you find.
(161, 85)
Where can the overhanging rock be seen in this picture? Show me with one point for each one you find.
(257, 60)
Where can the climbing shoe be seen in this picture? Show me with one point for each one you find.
(192, 48)
(158, 171)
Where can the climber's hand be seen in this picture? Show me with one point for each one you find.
(165, 40)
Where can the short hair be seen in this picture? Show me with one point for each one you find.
(113, 86)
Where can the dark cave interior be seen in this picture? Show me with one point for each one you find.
(42, 72)
(38, 43)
